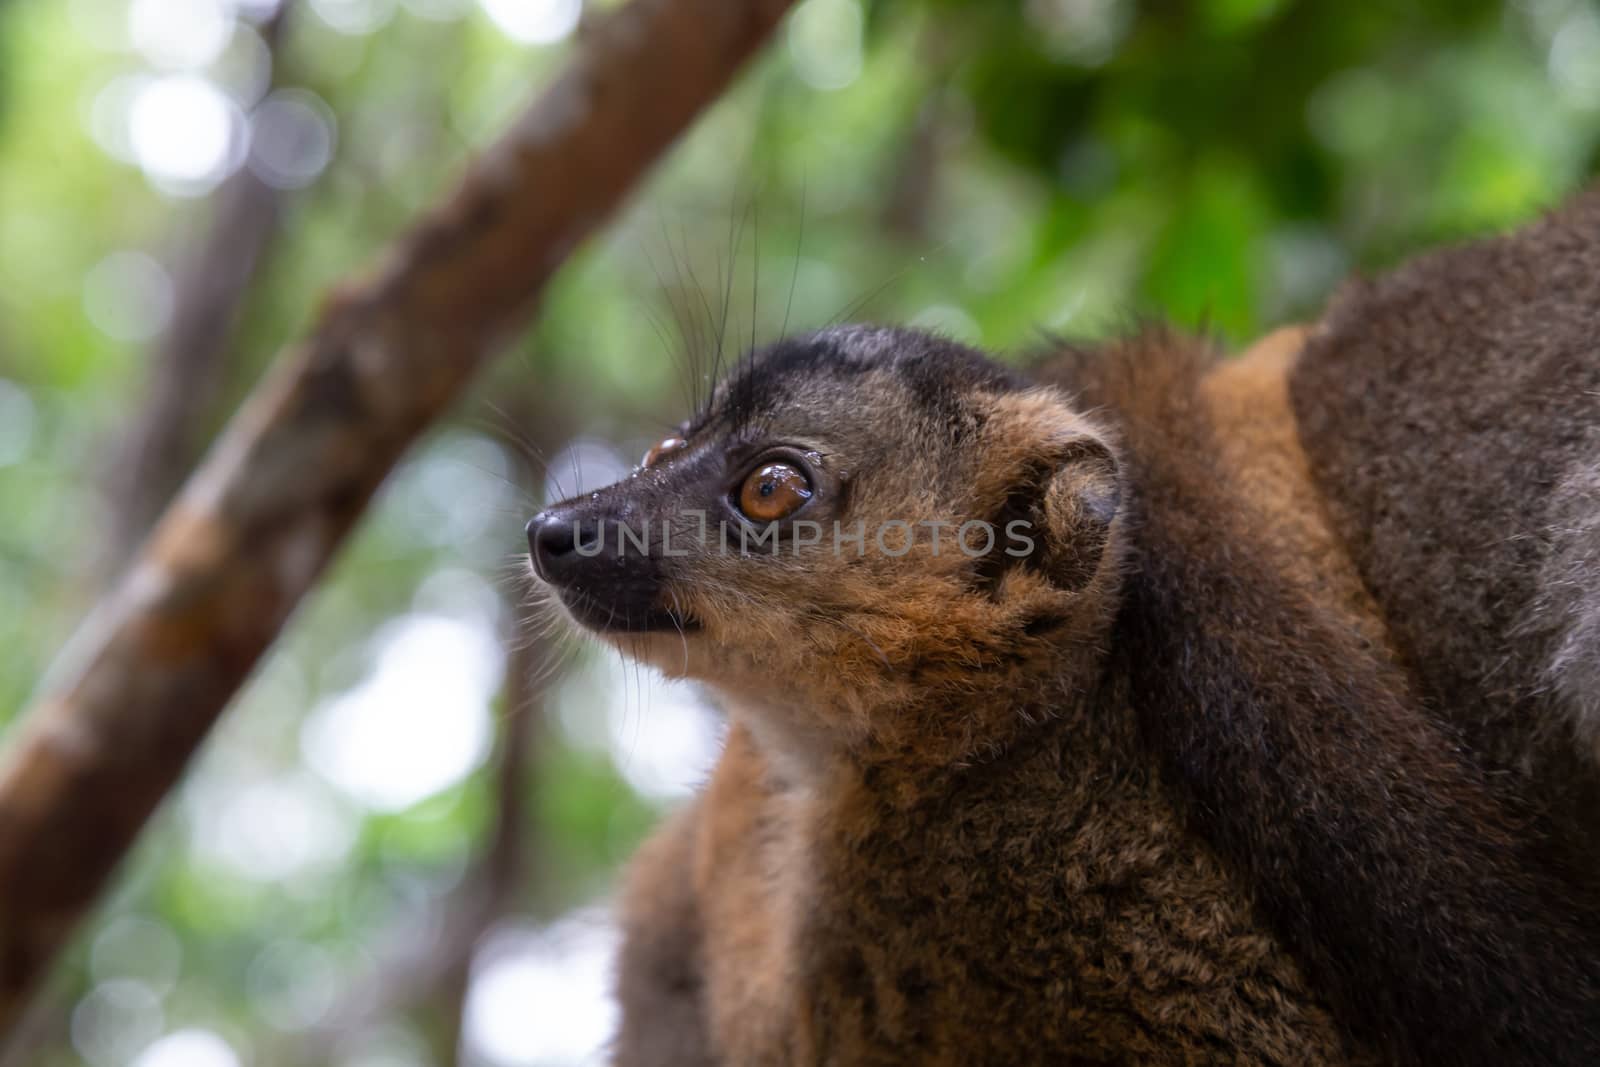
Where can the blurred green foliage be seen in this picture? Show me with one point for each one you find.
(989, 170)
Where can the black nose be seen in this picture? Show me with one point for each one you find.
(604, 585)
(552, 543)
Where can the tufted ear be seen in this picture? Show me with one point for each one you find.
(1079, 501)
(1057, 484)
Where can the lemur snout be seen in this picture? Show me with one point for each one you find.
(553, 545)
(607, 580)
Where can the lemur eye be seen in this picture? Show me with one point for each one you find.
(664, 448)
(774, 491)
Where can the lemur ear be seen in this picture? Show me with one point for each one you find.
(1080, 499)
(1060, 484)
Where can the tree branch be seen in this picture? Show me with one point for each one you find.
(156, 662)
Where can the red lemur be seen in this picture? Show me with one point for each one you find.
(1277, 744)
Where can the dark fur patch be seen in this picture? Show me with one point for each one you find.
(1379, 851)
(940, 374)
(1443, 408)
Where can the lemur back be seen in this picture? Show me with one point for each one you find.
(1265, 678)
(1451, 412)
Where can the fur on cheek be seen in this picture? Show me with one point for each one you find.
(884, 662)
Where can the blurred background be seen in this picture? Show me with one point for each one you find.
(397, 850)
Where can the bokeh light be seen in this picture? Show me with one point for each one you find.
(128, 295)
(825, 42)
(186, 133)
(543, 996)
(179, 34)
(189, 1048)
(16, 422)
(534, 21)
(419, 722)
(292, 140)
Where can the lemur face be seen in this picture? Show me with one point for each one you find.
(860, 515)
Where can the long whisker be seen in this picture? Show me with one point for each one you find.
(684, 354)
(850, 310)
(677, 614)
(794, 274)
(755, 268)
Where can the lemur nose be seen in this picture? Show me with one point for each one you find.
(552, 542)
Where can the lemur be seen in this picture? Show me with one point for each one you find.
(1250, 756)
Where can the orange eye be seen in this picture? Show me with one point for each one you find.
(664, 448)
(773, 492)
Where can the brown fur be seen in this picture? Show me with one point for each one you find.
(1261, 451)
(1048, 906)
(1452, 415)
(1161, 792)
(1380, 852)
(659, 973)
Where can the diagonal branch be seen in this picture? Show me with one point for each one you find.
(158, 660)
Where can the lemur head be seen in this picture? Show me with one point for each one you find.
(867, 534)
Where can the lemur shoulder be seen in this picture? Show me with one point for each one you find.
(1193, 780)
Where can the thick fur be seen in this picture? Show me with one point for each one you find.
(1176, 788)
(1451, 412)
(1378, 847)
(1045, 907)
(660, 972)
